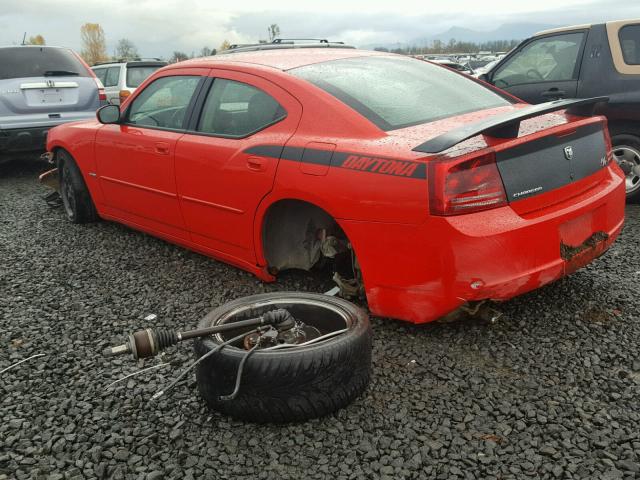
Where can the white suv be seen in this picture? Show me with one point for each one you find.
(120, 79)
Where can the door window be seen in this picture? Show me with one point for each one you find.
(544, 60)
(630, 43)
(112, 77)
(164, 102)
(235, 109)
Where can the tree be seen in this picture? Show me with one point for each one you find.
(206, 51)
(94, 48)
(126, 50)
(36, 40)
(274, 31)
(225, 45)
(178, 57)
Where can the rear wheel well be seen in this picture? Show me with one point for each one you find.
(619, 127)
(293, 232)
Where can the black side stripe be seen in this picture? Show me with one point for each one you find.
(348, 160)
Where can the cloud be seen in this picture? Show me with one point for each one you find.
(158, 27)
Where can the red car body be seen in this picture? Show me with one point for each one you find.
(418, 262)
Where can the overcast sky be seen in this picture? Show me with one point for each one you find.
(158, 27)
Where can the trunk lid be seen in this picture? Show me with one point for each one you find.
(544, 154)
(565, 157)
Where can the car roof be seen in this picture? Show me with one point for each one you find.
(284, 59)
(35, 46)
(564, 29)
(134, 63)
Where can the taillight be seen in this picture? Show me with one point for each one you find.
(101, 95)
(607, 144)
(465, 185)
(123, 95)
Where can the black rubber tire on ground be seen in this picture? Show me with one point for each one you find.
(633, 142)
(287, 385)
(76, 199)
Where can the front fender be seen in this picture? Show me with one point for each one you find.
(78, 139)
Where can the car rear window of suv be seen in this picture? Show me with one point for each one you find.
(136, 74)
(25, 62)
(396, 92)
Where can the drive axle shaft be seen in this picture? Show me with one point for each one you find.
(151, 341)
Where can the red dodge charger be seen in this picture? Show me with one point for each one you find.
(419, 187)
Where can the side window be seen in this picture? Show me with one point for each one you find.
(112, 76)
(630, 44)
(164, 102)
(236, 109)
(101, 74)
(544, 60)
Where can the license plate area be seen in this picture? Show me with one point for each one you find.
(40, 94)
(581, 241)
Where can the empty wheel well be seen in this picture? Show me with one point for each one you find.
(619, 127)
(293, 232)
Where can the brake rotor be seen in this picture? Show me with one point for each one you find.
(300, 333)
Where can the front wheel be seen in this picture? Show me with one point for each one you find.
(626, 151)
(76, 200)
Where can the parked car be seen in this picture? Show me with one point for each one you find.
(584, 61)
(41, 87)
(454, 65)
(120, 79)
(422, 187)
(482, 70)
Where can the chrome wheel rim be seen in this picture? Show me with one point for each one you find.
(628, 159)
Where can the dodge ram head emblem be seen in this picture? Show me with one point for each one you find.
(568, 152)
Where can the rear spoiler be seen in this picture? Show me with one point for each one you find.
(508, 125)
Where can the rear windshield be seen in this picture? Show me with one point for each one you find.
(136, 75)
(396, 92)
(24, 62)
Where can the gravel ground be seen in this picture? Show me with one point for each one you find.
(550, 391)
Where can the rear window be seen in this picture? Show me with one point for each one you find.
(24, 62)
(630, 43)
(395, 92)
(136, 75)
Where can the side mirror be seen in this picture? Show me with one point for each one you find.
(108, 114)
(484, 77)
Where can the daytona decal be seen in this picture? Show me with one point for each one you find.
(380, 165)
(351, 161)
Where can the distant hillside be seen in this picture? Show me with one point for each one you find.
(508, 31)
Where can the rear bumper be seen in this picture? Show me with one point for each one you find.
(28, 133)
(422, 272)
(23, 140)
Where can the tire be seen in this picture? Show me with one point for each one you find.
(626, 150)
(291, 384)
(76, 200)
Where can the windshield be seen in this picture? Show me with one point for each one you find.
(396, 92)
(136, 75)
(25, 62)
